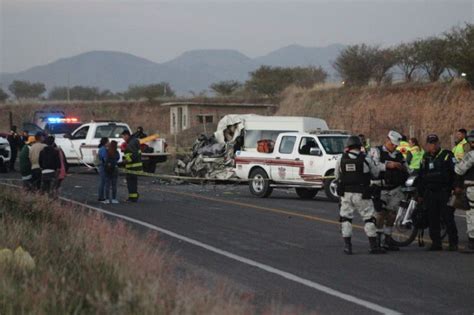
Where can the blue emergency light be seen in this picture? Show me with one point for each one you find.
(58, 120)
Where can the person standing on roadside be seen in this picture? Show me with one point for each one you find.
(25, 166)
(461, 145)
(62, 171)
(353, 173)
(393, 172)
(133, 163)
(465, 179)
(434, 188)
(14, 141)
(414, 155)
(111, 173)
(102, 154)
(33, 155)
(50, 163)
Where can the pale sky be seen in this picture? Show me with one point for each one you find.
(35, 32)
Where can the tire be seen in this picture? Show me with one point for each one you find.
(330, 188)
(259, 183)
(402, 242)
(306, 193)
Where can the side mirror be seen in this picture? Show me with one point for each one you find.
(67, 136)
(315, 151)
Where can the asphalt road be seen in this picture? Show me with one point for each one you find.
(290, 250)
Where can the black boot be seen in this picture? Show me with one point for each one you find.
(347, 246)
(374, 247)
(469, 247)
(388, 244)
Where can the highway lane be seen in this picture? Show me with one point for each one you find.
(296, 236)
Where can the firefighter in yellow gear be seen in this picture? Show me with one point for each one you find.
(133, 163)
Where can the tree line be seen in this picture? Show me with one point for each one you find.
(34, 90)
(450, 55)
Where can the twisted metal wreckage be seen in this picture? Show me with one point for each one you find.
(213, 157)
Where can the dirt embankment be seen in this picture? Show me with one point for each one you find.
(415, 110)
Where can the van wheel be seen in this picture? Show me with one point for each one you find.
(259, 183)
(330, 187)
(306, 193)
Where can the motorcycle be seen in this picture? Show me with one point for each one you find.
(411, 219)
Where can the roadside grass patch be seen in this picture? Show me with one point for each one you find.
(86, 264)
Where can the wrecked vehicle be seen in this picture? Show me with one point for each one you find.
(214, 157)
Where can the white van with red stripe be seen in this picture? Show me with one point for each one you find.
(304, 161)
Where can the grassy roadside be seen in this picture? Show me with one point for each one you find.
(86, 264)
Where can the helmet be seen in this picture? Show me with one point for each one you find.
(470, 136)
(353, 141)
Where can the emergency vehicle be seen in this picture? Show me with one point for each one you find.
(303, 161)
(81, 146)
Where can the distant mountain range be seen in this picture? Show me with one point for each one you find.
(192, 71)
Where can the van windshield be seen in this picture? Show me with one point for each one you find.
(333, 144)
(253, 136)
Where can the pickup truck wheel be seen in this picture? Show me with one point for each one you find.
(306, 193)
(330, 188)
(259, 184)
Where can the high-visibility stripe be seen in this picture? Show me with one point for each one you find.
(133, 195)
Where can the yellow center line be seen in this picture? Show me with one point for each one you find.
(242, 204)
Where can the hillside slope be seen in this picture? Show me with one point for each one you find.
(193, 70)
(426, 108)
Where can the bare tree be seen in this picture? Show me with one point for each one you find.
(433, 56)
(407, 60)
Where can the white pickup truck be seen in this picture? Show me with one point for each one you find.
(299, 160)
(81, 146)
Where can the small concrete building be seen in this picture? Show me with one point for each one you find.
(185, 115)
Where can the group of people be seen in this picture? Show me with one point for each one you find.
(107, 163)
(370, 181)
(43, 165)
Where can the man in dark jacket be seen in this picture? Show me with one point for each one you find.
(50, 163)
(133, 163)
(25, 167)
(14, 141)
(435, 186)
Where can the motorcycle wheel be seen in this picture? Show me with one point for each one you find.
(404, 235)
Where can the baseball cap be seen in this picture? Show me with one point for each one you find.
(394, 137)
(432, 138)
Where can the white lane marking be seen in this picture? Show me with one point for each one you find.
(284, 274)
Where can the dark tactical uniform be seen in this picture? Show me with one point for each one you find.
(435, 185)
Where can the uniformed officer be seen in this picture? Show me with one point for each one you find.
(461, 146)
(465, 175)
(353, 173)
(435, 186)
(133, 162)
(393, 172)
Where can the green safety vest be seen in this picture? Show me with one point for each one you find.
(458, 150)
(417, 157)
